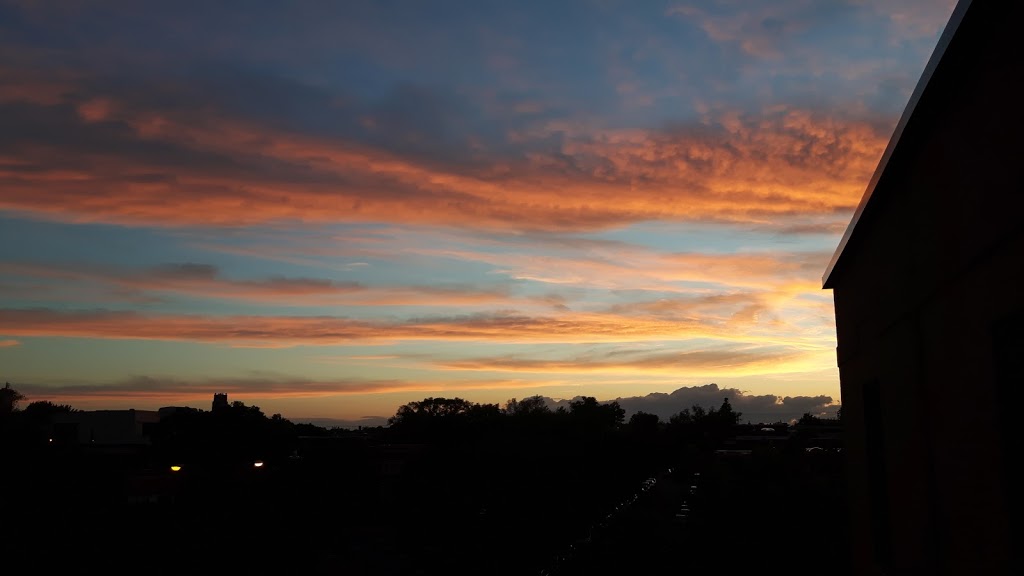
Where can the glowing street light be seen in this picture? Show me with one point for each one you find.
(175, 468)
(258, 464)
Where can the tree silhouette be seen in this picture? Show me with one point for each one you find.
(688, 416)
(809, 419)
(591, 414)
(645, 424)
(429, 408)
(435, 418)
(681, 418)
(726, 415)
(9, 399)
(531, 406)
(44, 409)
(483, 419)
(239, 409)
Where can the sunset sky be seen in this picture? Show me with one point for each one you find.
(329, 209)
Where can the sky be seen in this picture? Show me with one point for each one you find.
(329, 209)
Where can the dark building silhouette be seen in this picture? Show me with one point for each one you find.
(220, 401)
(166, 411)
(928, 284)
(105, 427)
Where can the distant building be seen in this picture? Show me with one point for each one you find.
(166, 411)
(105, 427)
(220, 401)
(928, 284)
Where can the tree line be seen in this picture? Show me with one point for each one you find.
(427, 420)
(437, 419)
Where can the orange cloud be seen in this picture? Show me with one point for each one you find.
(96, 110)
(204, 281)
(711, 362)
(9, 343)
(172, 389)
(288, 331)
(620, 266)
(169, 169)
(769, 297)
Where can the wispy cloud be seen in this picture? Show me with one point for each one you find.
(769, 30)
(761, 30)
(143, 388)
(207, 281)
(731, 360)
(9, 343)
(911, 18)
(287, 331)
(625, 267)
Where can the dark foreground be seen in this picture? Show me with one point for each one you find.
(411, 509)
(450, 487)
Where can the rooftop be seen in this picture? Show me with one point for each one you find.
(902, 138)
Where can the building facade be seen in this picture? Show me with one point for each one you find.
(928, 285)
(105, 427)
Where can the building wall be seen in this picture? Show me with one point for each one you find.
(926, 299)
(108, 426)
